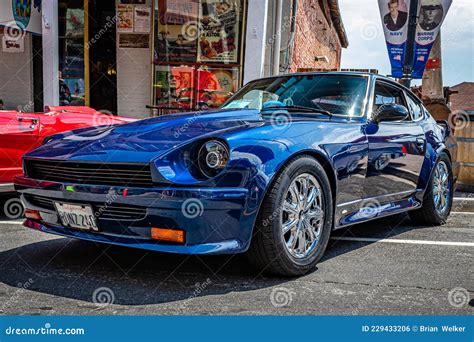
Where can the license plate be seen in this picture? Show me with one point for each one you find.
(78, 216)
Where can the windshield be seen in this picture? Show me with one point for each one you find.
(337, 94)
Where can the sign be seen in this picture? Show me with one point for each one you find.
(394, 15)
(21, 14)
(431, 17)
(218, 31)
(124, 19)
(177, 31)
(142, 19)
(15, 45)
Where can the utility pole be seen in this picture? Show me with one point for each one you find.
(433, 76)
(410, 44)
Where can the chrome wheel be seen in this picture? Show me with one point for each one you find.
(441, 187)
(302, 216)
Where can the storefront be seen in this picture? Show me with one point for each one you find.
(140, 58)
(194, 50)
(198, 52)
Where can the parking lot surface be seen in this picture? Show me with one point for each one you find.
(385, 267)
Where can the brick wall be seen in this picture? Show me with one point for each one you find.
(16, 77)
(315, 36)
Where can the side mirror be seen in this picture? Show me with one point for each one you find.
(390, 112)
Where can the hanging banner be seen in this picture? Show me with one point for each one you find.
(431, 17)
(21, 14)
(395, 25)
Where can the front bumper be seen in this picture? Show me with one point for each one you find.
(215, 221)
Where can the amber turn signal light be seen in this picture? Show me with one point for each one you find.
(171, 235)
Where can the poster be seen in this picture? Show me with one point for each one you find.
(134, 41)
(394, 15)
(13, 45)
(142, 19)
(74, 23)
(218, 31)
(124, 18)
(139, 2)
(215, 86)
(176, 38)
(431, 14)
(24, 15)
(431, 17)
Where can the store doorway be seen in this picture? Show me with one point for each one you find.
(102, 55)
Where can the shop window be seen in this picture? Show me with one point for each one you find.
(198, 52)
(71, 53)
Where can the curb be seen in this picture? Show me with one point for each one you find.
(463, 204)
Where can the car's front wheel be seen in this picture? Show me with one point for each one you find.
(295, 220)
(439, 195)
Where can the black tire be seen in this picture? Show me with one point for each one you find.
(267, 251)
(427, 214)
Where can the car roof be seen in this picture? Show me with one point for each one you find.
(342, 73)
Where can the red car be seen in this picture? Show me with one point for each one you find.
(22, 132)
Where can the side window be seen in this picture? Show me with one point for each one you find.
(386, 94)
(414, 107)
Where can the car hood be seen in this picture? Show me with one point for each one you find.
(146, 139)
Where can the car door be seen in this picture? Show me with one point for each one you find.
(19, 133)
(396, 149)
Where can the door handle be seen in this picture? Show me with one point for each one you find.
(421, 143)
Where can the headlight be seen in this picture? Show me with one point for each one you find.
(212, 158)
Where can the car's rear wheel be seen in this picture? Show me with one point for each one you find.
(439, 195)
(295, 220)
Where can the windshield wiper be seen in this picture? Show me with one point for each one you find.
(296, 108)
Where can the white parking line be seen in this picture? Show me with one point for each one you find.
(413, 242)
(461, 213)
(12, 222)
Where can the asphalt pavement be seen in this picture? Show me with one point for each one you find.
(385, 267)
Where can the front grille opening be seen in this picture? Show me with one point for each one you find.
(111, 212)
(137, 175)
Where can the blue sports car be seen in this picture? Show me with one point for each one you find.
(280, 165)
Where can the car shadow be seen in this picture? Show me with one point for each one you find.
(76, 269)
